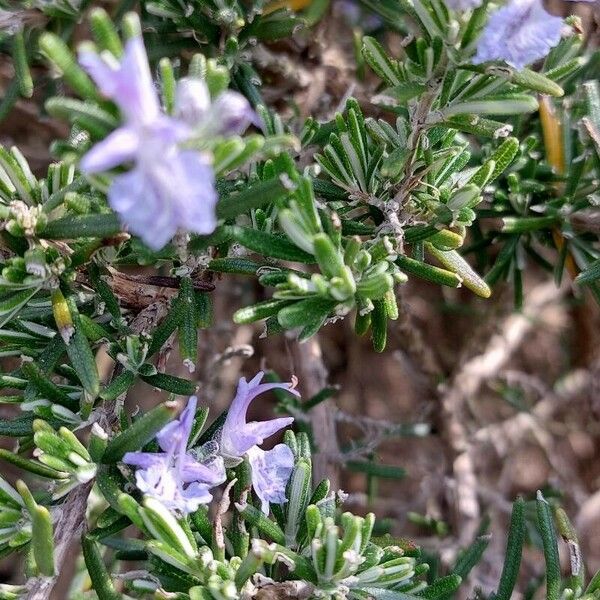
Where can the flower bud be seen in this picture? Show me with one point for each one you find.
(233, 113)
(192, 100)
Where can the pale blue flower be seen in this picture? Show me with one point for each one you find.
(175, 476)
(519, 33)
(229, 114)
(271, 471)
(237, 435)
(168, 187)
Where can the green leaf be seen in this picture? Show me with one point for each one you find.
(405, 91)
(45, 387)
(167, 84)
(94, 225)
(330, 260)
(392, 165)
(297, 314)
(428, 272)
(378, 59)
(441, 587)
(188, 332)
(530, 80)
(165, 528)
(528, 224)
(81, 355)
(594, 584)
(250, 565)
(567, 69)
(58, 52)
(514, 550)
(202, 523)
(591, 273)
(140, 432)
(85, 114)
(515, 104)
(298, 494)
(42, 540)
(119, 523)
(19, 427)
(550, 544)
(470, 557)
(259, 311)
(477, 125)
(379, 320)
(204, 309)
(101, 581)
(11, 304)
(119, 385)
(168, 325)
(421, 8)
(21, 65)
(482, 176)
(385, 594)
(256, 518)
(92, 330)
(269, 244)
(503, 156)
(104, 32)
(476, 22)
(255, 196)
(453, 261)
(105, 292)
(11, 95)
(239, 266)
(50, 443)
(275, 27)
(170, 383)
(446, 239)
(30, 465)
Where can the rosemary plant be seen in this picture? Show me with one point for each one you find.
(477, 141)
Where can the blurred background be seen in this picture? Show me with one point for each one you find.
(471, 404)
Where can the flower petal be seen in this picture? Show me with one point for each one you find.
(145, 460)
(129, 84)
(144, 207)
(137, 96)
(237, 437)
(259, 431)
(101, 71)
(195, 495)
(271, 471)
(192, 100)
(174, 436)
(211, 473)
(196, 194)
(118, 147)
(519, 33)
(232, 114)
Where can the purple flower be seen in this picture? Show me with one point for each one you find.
(174, 476)
(229, 114)
(271, 471)
(519, 33)
(168, 187)
(238, 436)
(232, 114)
(192, 100)
(129, 83)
